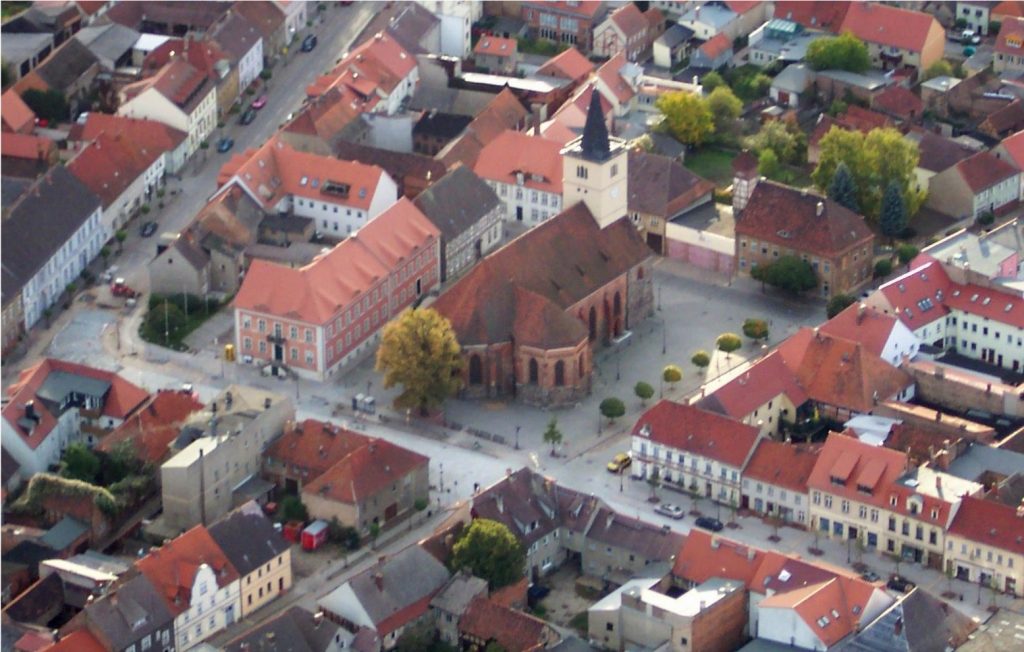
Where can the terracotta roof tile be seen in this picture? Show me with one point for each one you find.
(569, 64)
(789, 218)
(989, 523)
(1014, 146)
(1008, 8)
(918, 297)
(78, 641)
(365, 472)
(144, 134)
(172, 568)
(609, 73)
(312, 447)
(539, 161)
(983, 170)
(496, 46)
(373, 69)
(700, 432)
(716, 46)
(315, 293)
(121, 400)
(901, 28)
(937, 153)
(265, 15)
(781, 464)
(742, 6)
(704, 555)
(154, 426)
(630, 20)
(1011, 37)
(1003, 121)
(26, 146)
(15, 114)
(989, 303)
(814, 14)
(857, 465)
(111, 163)
(898, 101)
(762, 382)
(868, 326)
(513, 630)
(504, 112)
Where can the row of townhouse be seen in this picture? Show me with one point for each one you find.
(189, 589)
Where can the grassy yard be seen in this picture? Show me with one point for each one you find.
(168, 322)
(712, 164)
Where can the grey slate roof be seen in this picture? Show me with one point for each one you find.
(916, 623)
(457, 202)
(64, 533)
(460, 591)
(248, 540)
(675, 35)
(236, 35)
(137, 611)
(11, 189)
(406, 578)
(109, 41)
(68, 62)
(410, 25)
(57, 202)
(293, 631)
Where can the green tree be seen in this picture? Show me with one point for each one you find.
(120, 462)
(940, 68)
(906, 253)
(374, 531)
(728, 342)
(711, 81)
(788, 273)
(842, 188)
(783, 138)
(768, 164)
(755, 329)
(292, 509)
(843, 52)
(701, 359)
(489, 550)
(7, 76)
(839, 303)
(672, 374)
(883, 268)
(50, 105)
(121, 235)
(643, 391)
(687, 117)
(162, 323)
(725, 108)
(418, 351)
(654, 479)
(552, 435)
(80, 463)
(612, 408)
(893, 218)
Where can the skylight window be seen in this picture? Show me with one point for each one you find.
(303, 181)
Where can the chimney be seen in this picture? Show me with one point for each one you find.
(819, 209)
(714, 543)
(318, 618)
(751, 553)
(862, 309)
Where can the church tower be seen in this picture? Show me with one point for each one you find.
(594, 168)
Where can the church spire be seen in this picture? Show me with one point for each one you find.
(595, 145)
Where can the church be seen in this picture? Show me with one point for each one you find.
(530, 315)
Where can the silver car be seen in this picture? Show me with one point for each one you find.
(670, 510)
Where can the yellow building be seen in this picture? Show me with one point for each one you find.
(259, 552)
(985, 545)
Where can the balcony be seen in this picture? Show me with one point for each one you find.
(275, 338)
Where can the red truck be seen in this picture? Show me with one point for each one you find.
(121, 289)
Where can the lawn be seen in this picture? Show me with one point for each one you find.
(175, 317)
(712, 164)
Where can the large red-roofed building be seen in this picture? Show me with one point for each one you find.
(985, 544)
(896, 37)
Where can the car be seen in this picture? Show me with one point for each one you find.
(259, 102)
(224, 144)
(870, 576)
(620, 462)
(669, 510)
(308, 43)
(148, 229)
(709, 523)
(900, 583)
(247, 117)
(109, 275)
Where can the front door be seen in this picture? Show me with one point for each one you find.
(519, 213)
(278, 353)
(229, 616)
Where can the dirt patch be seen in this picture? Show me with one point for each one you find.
(305, 563)
(563, 604)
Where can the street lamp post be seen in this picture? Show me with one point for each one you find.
(848, 542)
(599, 415)
(441, 482)
(517, 437)
(664, 341)
(618, 370)
(659, 295)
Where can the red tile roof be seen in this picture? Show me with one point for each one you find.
(569, 64)
(898, 101)
(373, 70)
(312, 447)
(783, 465)
(513, 630)
(502, 113)
(277, 170)
(366, 472)
(742, 6)
(901, 28)
(700, 432)
(145, 134)
(983, 170)
(496, 46)
(989, 303)
(316, 292)
(841, 373)
(763, 381)
(868, 326)
(181, 83)
(862, 120)
(538, 159)
(629, 19)
(1011, 37)
(172, 568)
(918, 297)
(705, 555)
(818, 604)
(15, 114)
(659, 185)
(154, 425)
(326, 115)
(716, 46)
(1014, 146)
(609, 74)
(203, 55)
(80, 640)
(122, 399)
(1008, 8)
(26, 146)
(111, 163)
(790, 218)
(814, 14)
(989, 523)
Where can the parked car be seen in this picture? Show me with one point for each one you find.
(670, 510)
(259, 102)
(709, 523)
(247, 117)
(224, 144)
(148, 229)
(900, 583)
(119, 288)
(308, 43)
(109, 275)
(620, 462)
(870, 576)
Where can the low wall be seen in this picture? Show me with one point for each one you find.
(708, 251)
(960, 390)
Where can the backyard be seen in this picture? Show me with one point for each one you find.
(713, 164)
